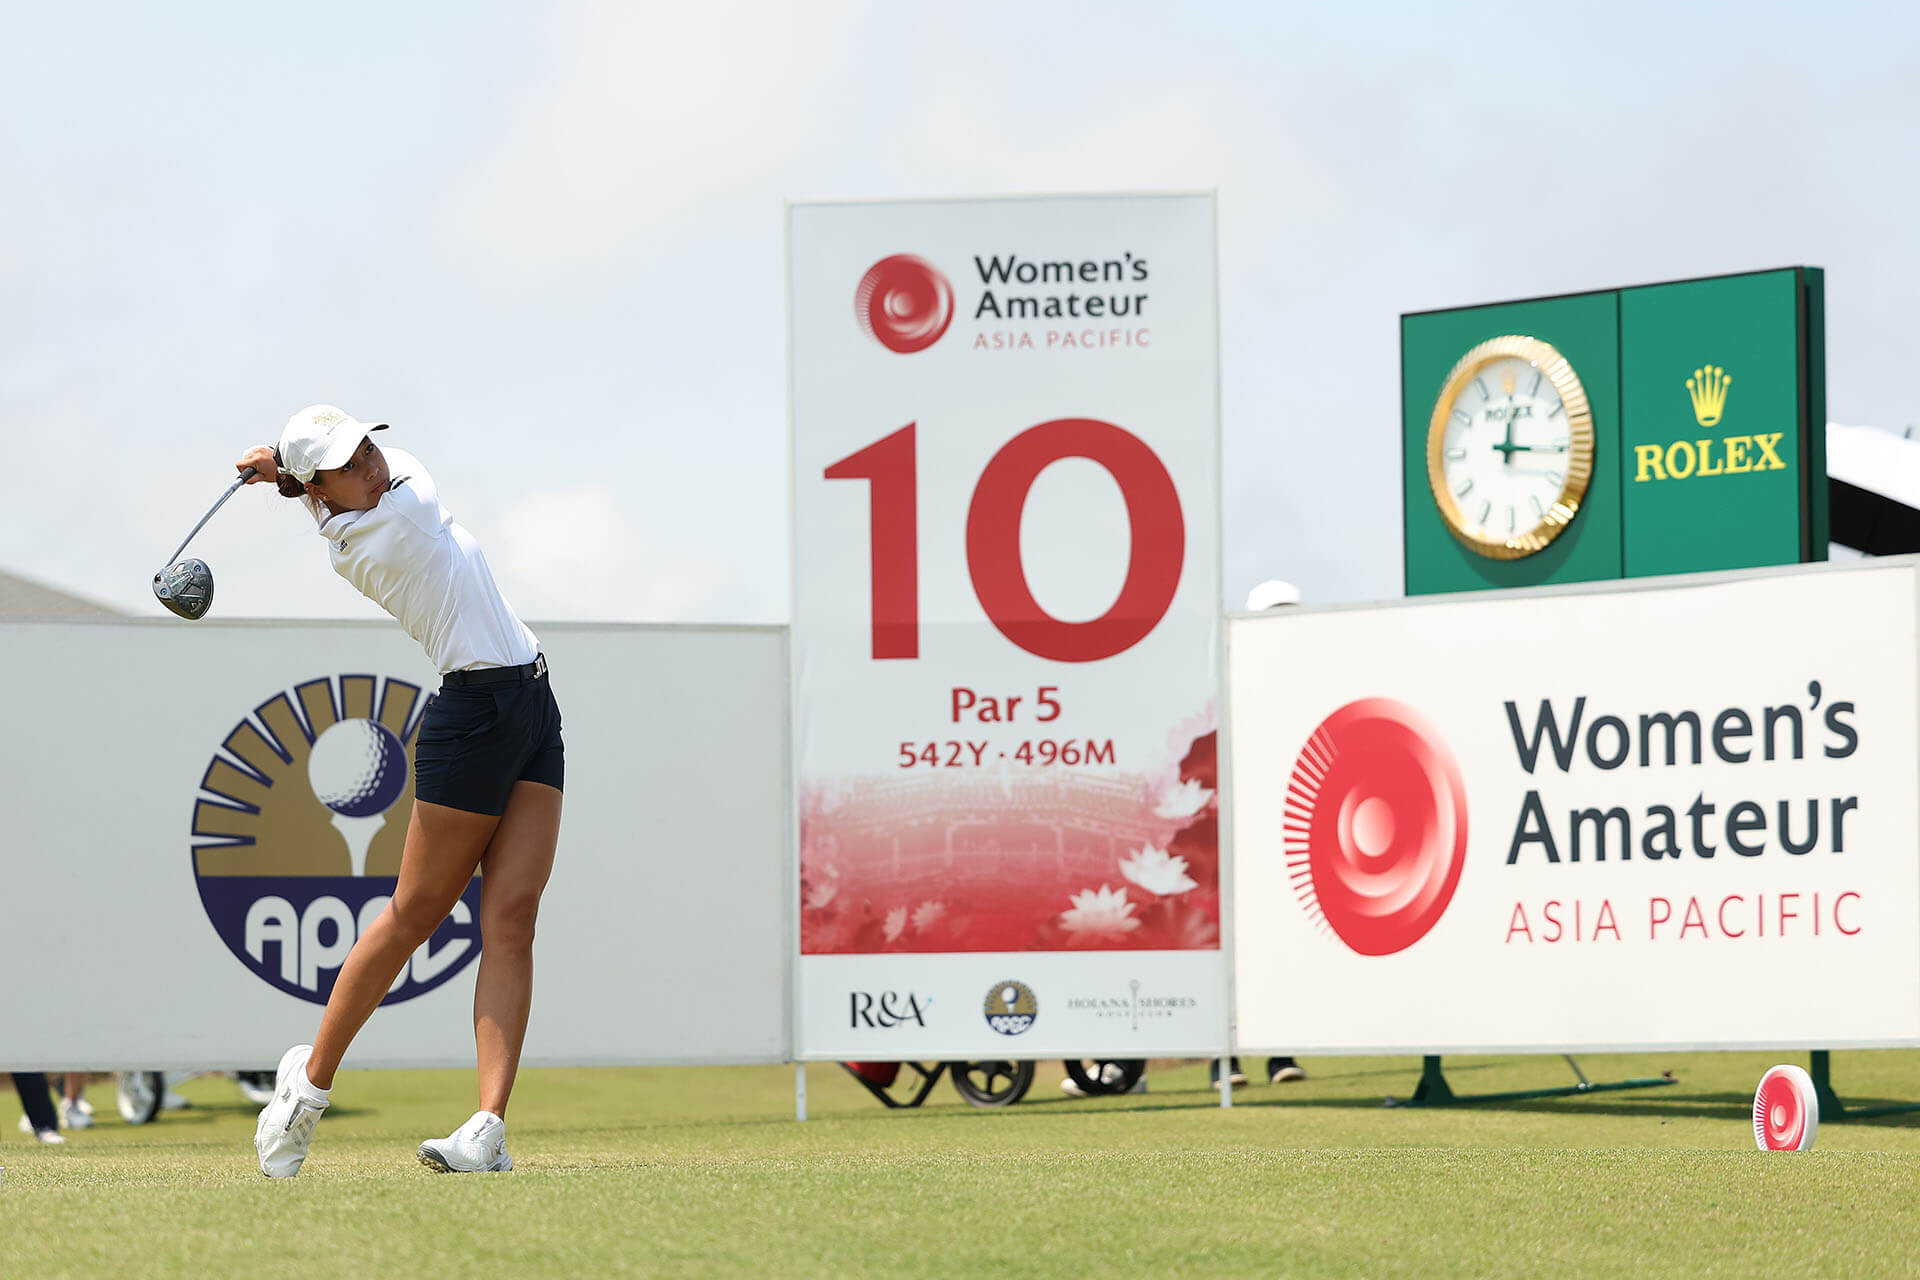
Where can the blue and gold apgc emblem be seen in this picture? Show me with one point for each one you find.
(298, 830)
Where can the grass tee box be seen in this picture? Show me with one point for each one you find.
(701, 1172)
(1707, 399)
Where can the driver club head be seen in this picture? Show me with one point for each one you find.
(186, 588)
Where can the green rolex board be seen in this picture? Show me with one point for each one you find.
(1704, 396)
(1585, 329)
(1714, 384)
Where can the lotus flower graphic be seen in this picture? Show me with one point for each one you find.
(1159, 873)
(1099, 913)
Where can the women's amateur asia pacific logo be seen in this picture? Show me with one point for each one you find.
(298, 830)
(1376, 826)
(904, 303)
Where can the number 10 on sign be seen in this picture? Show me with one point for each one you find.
(1154, 520)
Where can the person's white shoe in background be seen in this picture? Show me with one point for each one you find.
(255, 1086)
(478, 1146)
(285, 1129)
(49, 1136)
(76, 1114)
(1111, 1074)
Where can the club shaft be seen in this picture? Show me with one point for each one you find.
(245, 476)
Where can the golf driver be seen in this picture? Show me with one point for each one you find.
(186, 586)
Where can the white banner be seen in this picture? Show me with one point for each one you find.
(1674, 815)
(1006, 624)
(200, 817)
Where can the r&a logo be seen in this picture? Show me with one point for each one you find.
(887, 1009)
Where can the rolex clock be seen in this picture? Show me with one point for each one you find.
(1510, 447)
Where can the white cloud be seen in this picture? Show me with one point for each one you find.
(646, 118)
(571, 553)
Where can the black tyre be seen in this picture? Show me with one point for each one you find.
(998, 1083)
(1098, 1077)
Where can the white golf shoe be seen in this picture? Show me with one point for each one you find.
(49, 1136)
(285, 1129)
(478, 1146)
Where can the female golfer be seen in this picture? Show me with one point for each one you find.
(487, 775)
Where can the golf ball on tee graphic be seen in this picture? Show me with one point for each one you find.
(357, 769)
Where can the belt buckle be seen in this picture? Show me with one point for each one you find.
(539, 666)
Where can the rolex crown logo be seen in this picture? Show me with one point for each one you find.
(1708, 387)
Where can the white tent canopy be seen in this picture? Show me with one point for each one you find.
(1873, 482)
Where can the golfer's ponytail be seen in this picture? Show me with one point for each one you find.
(286, 484)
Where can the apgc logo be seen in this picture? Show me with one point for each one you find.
(904, 303)
(298, 829)
(1376, 825)
(1010, 1007)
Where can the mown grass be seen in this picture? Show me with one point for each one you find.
(703, 1172)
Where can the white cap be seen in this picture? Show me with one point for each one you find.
(320, 438)
(1272, 594)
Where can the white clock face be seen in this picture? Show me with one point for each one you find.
(1504, 452)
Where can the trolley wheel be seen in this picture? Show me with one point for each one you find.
(1098, 1077)
(138, 1095)
(998, 1083)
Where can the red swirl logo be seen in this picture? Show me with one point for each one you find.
(904, 303)
(1786, 1111)
(1376, 826)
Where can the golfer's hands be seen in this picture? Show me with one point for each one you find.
(260, 458)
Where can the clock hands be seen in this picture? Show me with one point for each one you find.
(1507, 448)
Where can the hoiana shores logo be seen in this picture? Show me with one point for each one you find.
(1132, 1008)
(904, 303)
(1376, 826)
(1010, 1007)
(298, 830)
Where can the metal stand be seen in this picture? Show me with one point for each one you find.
(1433, 1090)
(1831, 1108)
(915, 1096)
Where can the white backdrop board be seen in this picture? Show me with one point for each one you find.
(1667, 814)
(199, 816)
(1006, 626)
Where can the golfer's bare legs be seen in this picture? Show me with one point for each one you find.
(514, 873)
(443, 847)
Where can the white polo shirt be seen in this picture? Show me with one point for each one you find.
(410, 557)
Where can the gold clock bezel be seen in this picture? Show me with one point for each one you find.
(1542, 356)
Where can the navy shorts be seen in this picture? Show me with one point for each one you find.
(477, 740)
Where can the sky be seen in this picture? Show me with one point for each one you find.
(546, 243)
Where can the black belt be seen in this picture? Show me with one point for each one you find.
(497, 675)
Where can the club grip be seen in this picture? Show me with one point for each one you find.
(249, 473)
